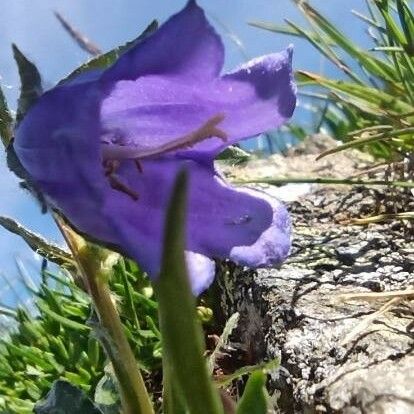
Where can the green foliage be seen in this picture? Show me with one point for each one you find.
(234, 155)
(187, 384)
(254, 399)
(266, 367)
(373, 107)
(106, 393)
(57, 343)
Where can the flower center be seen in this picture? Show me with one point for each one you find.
(113, 154)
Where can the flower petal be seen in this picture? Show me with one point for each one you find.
(67, 168)
(219, 217)
(186, 45)
(201, 271)
(261, 96)
(151, 111)
(57, 142)
(273, 245)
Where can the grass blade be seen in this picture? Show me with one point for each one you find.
(254, 399)
(82, 41)
(181, 331)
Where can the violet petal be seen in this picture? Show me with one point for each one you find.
(257, 97)
(201, 271)
(186, 45)
(219, 217)
(273, 245)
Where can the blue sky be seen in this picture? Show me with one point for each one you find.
(32, 26)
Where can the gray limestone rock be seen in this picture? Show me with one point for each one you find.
(294, 312)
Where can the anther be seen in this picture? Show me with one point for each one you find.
(110, 168)
(209, 130)
(118, 185)
(138, 165)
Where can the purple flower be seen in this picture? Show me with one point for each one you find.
(105, 147)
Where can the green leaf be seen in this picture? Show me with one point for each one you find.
(326, 180)
(106, 393)
(183, 345)
(375, 138)
(291, 31)
(6, 121)
(62, 319)
(373, 65)
(234, 155)
(173, 399)
(225, 380)
(128, 295)
(6, 311)
(254, 399)
(107, 59)
(371, 95)
(319, 41)
(38, 244)
(31, 83)
(384, 94)
(65, 398)
(406, 19)
(34, 355)
(224, 337)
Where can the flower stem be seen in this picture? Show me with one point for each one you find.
(134, 396)
(324, 180)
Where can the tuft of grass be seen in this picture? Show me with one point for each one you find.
(372, 106)
(58, 343)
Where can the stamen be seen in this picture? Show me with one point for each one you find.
(138, 165)
(118, 185)
(112, 154)
(208, 130)
(110, 168)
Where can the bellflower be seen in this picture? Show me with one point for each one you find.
(105, 147)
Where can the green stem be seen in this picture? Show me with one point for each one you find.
(133, 392)
(327, 180)
(381, 136)
(128, 296)
(134, 396)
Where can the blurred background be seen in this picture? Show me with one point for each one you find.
(32, 25)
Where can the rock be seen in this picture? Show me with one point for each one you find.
(333, 359)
